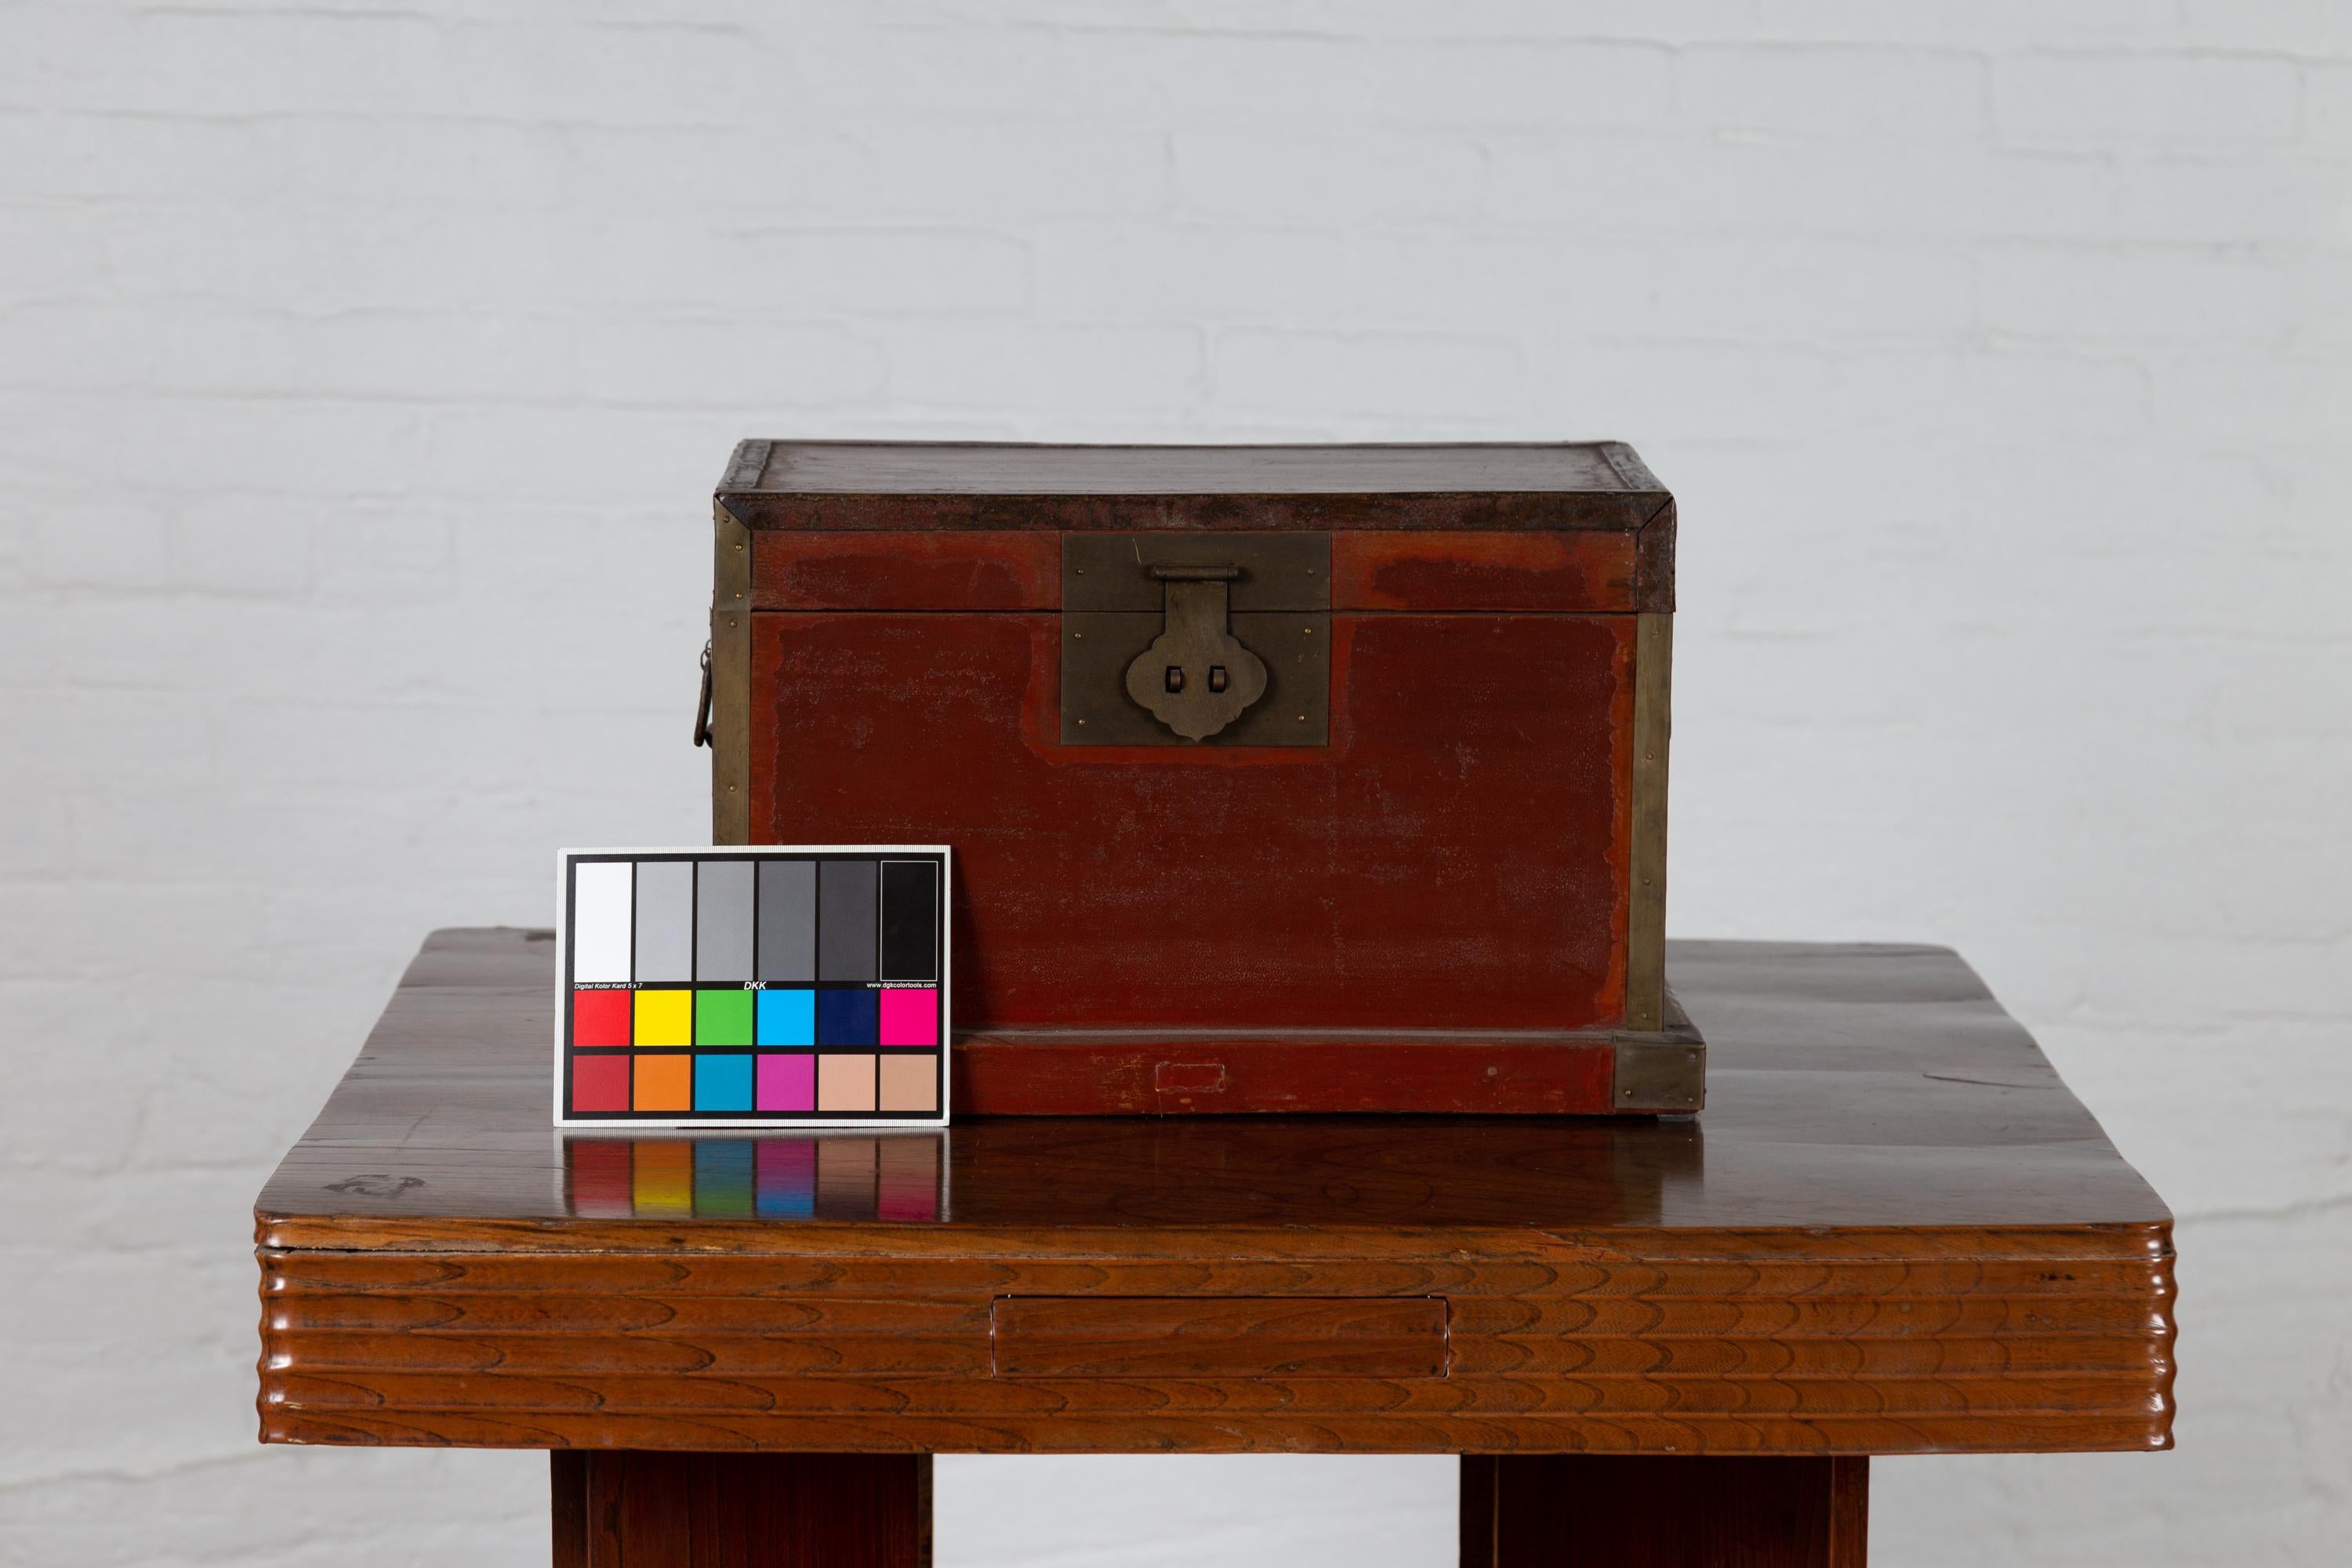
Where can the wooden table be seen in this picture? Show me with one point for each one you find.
(1893, 1231)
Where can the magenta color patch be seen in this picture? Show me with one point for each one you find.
(910, 1017)
(787, 1081)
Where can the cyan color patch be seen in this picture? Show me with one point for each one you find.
(787, 1017)
(722, 1083)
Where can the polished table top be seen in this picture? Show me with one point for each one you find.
(1893, 1229)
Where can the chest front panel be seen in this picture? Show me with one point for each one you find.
(1450, 857)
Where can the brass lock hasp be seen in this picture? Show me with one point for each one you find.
(1195, 678)
(1172, 639)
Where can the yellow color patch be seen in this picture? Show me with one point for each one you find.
(665, 1019)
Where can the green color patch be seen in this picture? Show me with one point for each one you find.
(722, 1017)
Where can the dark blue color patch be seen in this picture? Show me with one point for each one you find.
(848, 1017)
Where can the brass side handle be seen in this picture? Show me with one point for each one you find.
(702, 703)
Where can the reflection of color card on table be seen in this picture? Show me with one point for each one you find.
(899, 1176)
(764, 987)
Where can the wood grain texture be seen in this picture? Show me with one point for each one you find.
(567, 1497)
(1642, 1511)
(1374, 1338)
(740, 1510)
(1896, 1233)
(1826, 1354)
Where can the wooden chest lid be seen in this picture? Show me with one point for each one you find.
(884, 485)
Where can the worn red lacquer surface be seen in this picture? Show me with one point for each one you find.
(1454, 859)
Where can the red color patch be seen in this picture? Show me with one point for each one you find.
(600, 1018)
(600, 1083)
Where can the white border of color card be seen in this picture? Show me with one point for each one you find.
(722, 998)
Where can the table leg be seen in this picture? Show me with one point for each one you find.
(1565, 1511)
(633, 1510)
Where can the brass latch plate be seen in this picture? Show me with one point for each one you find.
(1115, 607)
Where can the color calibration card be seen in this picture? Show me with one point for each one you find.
(793, 987)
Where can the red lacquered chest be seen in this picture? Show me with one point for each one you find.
(1278, 778)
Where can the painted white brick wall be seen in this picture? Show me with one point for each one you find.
(363, 364)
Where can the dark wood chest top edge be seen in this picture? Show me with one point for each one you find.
(853, 485)
(1462, 511)
(1048, 468)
